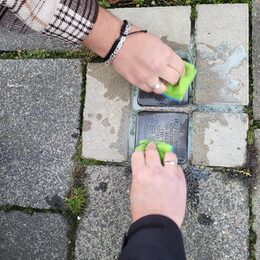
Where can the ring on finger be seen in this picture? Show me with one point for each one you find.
(156, 86)
(174, 163)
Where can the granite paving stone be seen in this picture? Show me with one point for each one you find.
(100, 232)
(37, 236)
(13, 40)
(40, 108)
(106, 115)
(219, 139)
(256, 57)
(172, 24)
(216, 222)
(256, 194)
(222, 54)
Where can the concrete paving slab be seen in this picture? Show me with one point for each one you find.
(172, 24)
(100, 232)
(219, 139)
(256, 57)
(40, 107)
(216, 222)
(256, 194)
(37, 236)
(222, 54)
(106, 115)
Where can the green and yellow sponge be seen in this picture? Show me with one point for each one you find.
(177, 92)
(162, 147)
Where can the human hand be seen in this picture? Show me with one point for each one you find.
(145, 60)
(157, 189)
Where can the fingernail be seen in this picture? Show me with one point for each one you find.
(151, 145)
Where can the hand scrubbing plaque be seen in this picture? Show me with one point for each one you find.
(161, 147)
(177, 92)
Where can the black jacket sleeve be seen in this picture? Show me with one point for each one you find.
(153, 237)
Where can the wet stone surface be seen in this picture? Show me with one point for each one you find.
(38, 236)
(222, 54)
(171, 128)
(106, 115)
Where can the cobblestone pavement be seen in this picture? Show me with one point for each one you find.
(40, 140)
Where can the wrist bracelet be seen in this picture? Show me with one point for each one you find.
(124, 32)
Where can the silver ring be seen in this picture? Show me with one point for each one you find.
(156, 86)
(174, 163)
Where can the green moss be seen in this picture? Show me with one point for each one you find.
(104, 3)
(44, 54)
(76, 200)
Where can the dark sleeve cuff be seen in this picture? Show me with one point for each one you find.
(153, 237)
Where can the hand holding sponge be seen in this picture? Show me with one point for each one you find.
(177, 92)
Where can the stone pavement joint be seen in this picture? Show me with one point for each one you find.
(219, 139)
(37, 236)
(256, 194)
(222, 54)
(40, 102)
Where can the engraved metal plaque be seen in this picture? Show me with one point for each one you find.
(152, 99)
(171, 128)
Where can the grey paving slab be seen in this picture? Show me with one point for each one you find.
(256, 57)
(172, 24)
(219, 139)
(12, 40)
(107, 217)
(106, 115)
(37, 236)
(222, 54)
(256, 194)
(39, 120)
(216, 223)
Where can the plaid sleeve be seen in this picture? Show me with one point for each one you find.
(71, 20)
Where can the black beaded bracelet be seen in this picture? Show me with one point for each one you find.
(119, 41)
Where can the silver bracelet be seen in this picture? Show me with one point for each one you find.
(120, 44)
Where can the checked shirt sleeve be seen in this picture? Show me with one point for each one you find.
(71, 20)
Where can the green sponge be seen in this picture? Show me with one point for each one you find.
(161, 147)
(177, 92)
